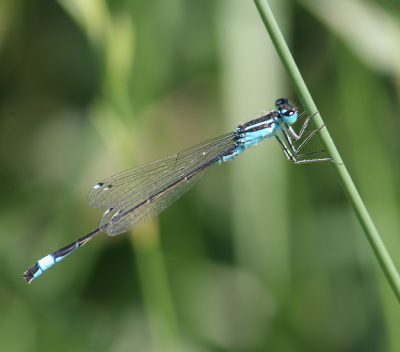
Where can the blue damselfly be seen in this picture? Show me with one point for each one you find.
(134, 196)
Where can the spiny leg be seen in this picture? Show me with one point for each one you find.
(304, 134)
(285, 149)
(290, 141)
(290, 156)
(314, 160)
(305, 124)
(308, 138)
(301, 133)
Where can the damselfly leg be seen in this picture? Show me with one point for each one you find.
(291, 151)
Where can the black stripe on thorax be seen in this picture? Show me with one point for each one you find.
(272, 116)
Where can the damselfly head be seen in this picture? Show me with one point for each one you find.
(286, 111)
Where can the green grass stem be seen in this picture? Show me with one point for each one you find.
(366, 222)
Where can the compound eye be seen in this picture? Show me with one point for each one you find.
(288, 113)
(289, 116)
(282, 101)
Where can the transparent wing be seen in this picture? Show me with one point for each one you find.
(138, 194)
(137, 212)
(147, 177)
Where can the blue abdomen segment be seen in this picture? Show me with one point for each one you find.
(44, 264)
(49, 260)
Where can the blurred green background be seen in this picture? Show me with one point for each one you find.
(261, 255)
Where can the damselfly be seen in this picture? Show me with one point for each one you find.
(134, 196)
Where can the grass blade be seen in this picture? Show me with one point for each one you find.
(363, 216)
